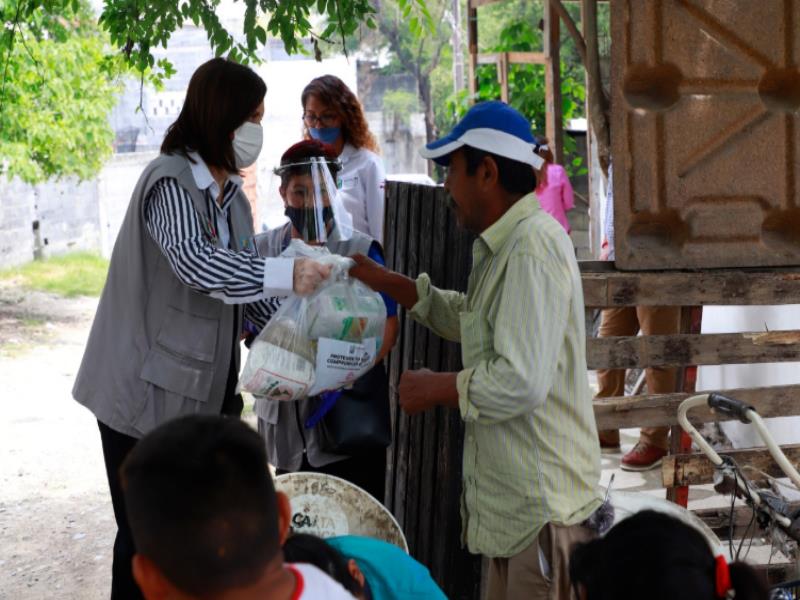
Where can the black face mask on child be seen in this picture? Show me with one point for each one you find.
(305, 220)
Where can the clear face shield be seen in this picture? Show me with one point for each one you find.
(312, 201)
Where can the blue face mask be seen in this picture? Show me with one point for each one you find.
(327, 135)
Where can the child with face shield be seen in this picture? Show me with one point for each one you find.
(317, 216)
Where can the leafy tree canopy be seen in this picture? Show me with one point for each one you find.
(56, 93)
(139, 26)
(61, 65)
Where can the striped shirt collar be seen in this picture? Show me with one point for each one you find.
(497, 233)
(205, 180)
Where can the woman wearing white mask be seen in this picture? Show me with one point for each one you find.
(332, 114)
(165, 339)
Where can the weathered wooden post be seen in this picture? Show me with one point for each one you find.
(424, 474)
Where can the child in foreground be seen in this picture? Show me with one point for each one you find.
(206, 520)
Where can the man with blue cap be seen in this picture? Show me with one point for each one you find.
(531, 462)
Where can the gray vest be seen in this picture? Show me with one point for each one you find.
(158, 349)
(283, 423)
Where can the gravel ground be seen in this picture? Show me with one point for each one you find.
(56, 522)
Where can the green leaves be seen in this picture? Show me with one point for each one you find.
(418, 18)
(136, 26)
(526, 86)
(61, 65)
(59, 90)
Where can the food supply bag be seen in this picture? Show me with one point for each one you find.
(320, 342)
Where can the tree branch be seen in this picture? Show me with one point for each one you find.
(598, 101)
(8, 57)
(437, 52)
(580, 43)
(341, 28)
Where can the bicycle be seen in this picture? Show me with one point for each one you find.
(772, 512)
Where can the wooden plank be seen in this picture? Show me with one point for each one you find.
(502, 76)
(491, 58)
(440, 450)
(411, 330)
(684, 288)
(696, 469)
(472, 48)
(455, 569)
(681, 349)
(526, 58)
(390, 241)
(661, 410)
(554, 124)
(423, 441)
(398, 501)
(474, 4)
(679, 441)
(512, 58)
(596, 266)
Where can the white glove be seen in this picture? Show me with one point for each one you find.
(308, 274)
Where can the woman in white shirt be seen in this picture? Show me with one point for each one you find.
(332, 114)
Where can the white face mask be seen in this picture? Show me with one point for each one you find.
(247, 141)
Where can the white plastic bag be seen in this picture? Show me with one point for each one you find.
(320, 342)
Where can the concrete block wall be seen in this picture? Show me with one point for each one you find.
(16, 222)
(71, 215)
(115, 185)
(66, 211)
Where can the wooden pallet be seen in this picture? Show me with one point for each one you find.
(604, 286)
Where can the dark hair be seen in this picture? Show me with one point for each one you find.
(303, 151)
(305, 548)
(201, 503)
(222, 95)
(656, 556)
(516, 177)
(333, 92)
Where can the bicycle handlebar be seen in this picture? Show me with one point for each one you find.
(730, 406)
(746, 414)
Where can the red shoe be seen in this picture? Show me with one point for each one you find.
(642, 457)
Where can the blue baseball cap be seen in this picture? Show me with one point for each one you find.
(491, 126)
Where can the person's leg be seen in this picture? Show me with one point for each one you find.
(232, 403)
(659, 320)
(614, 322)
(527, 576)
(497, 580)
(558, 542)
(116, 447)
(367, 471)
(654, 441)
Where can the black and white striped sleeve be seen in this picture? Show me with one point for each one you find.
(257, 314)
(233, 277)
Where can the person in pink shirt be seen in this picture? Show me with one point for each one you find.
(554, 189)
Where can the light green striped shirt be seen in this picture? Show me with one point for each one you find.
(531, 454)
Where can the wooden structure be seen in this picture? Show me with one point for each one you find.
(424, 476)
(606, 287)
(424, 462)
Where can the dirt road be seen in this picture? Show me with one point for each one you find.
(56, 523)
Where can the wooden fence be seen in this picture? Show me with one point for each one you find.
(424, 471)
